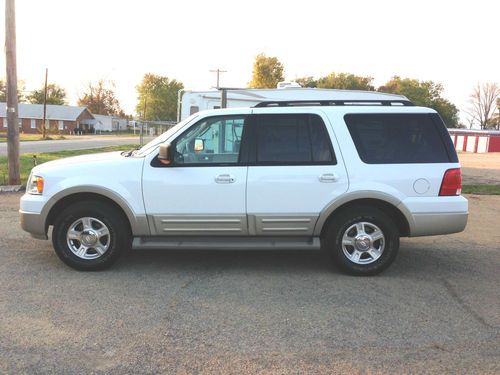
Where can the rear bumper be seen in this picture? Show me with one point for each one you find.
(434, 224)
(431, 216)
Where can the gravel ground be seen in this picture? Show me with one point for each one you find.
(480, 168)
(436, 310)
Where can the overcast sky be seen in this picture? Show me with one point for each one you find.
(452, 42)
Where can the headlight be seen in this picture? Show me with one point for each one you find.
(35, 185)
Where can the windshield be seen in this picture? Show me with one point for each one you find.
(163, 137)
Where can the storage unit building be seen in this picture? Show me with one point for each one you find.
(475, 140)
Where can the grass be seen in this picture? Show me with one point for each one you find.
(32, 137)
(481, 189)
(26, 162)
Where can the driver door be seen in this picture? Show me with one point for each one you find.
(203, 191)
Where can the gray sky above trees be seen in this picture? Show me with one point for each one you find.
(448, 42)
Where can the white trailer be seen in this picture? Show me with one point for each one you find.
(194, 101)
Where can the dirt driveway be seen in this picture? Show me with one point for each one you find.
(436, 310)
(480, 168)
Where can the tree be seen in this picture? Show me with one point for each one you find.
(55, 95)
(425, 94)
(483, 103)
(342, 81)
(345, 81)
(267, 72)
(100, 99)
(157, 95)
(307, 82)
(3, 91)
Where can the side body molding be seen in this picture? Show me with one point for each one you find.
(357, 195)
(138, 221)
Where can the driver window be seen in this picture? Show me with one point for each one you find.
(215, 140)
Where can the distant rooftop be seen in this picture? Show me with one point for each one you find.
(54, 112)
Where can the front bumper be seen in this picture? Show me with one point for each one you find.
(33, 215)
(34, 223)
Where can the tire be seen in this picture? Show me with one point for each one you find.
(362, 240)
(90, 235)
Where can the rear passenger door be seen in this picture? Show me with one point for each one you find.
(295, 170)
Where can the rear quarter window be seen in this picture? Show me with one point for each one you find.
(399, 138)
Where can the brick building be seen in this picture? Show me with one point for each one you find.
(63, 119)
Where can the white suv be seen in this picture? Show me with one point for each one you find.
(348, 176)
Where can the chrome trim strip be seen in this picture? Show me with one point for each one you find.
(282, 229)
(202, 230)
(286, 220)
(228, 221)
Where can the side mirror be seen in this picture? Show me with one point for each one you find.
(199, 145)
(164, 154)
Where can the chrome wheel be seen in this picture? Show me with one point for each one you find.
(88, 238)
(363, 243)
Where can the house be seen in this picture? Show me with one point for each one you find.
(106, 123)
(65, 119)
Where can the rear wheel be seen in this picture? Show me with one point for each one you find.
(90, 235)
(362, 240)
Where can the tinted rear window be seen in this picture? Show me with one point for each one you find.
(397, 138)
(293, 138)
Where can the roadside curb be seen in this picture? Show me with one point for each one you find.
(11, 188)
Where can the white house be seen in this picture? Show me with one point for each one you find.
(106, 123)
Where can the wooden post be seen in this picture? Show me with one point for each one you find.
(223, 98)
(44, 135)
(12, 108)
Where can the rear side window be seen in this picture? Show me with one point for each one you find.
(397, 138)
(293, 139)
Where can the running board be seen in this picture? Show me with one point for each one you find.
(226, 243)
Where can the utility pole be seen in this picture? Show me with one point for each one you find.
(218, 71)
(141, 136)
(12, 114)
(45, 104)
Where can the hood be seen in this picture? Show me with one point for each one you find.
(79, 160)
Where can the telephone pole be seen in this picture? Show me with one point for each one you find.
(12, 114)
(218, 71)
(45, 104)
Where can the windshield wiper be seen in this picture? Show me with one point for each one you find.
(129, 153)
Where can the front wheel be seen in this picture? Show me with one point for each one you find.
(362, 240)
(90, 235)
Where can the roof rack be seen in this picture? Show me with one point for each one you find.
(300, 103)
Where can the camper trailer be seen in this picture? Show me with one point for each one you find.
(194, 101)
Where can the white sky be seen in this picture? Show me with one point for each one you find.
(452, 42)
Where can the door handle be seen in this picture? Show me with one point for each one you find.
(225, 179)
(328, 177)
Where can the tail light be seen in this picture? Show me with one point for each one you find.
(452, 183)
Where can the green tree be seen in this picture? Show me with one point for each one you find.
(158, 95)
(3, 91)
(267, 72)
(100, 99)
(55, 95)
(425, 94)
(307, 82)
(345, 81)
